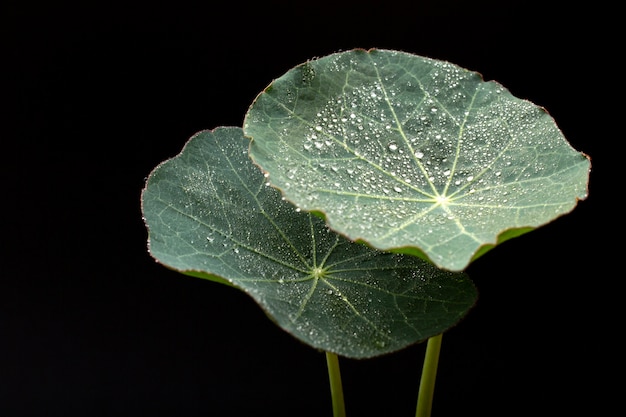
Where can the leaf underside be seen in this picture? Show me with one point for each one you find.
(210, 213)
(412, 154)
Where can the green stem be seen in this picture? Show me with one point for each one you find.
(336, 389)
(429, 374)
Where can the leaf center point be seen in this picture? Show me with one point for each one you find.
(318, 272)
(442, 200)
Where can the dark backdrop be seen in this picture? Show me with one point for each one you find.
(98, 93)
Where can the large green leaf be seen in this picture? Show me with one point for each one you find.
(210, 213)
(412, 154)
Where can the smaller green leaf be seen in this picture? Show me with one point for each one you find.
(210, 213)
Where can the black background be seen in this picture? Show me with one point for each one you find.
(98, 93)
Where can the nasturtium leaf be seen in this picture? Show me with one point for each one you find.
(210, 213)
(412, 154)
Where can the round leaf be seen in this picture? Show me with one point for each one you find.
(210, 213)
(412, 154)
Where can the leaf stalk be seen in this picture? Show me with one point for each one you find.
(336, 388)
(429, 374)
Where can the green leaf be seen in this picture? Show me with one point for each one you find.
(412, 154)
(210, 213)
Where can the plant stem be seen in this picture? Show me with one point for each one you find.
(336, 389)
(429, 374)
